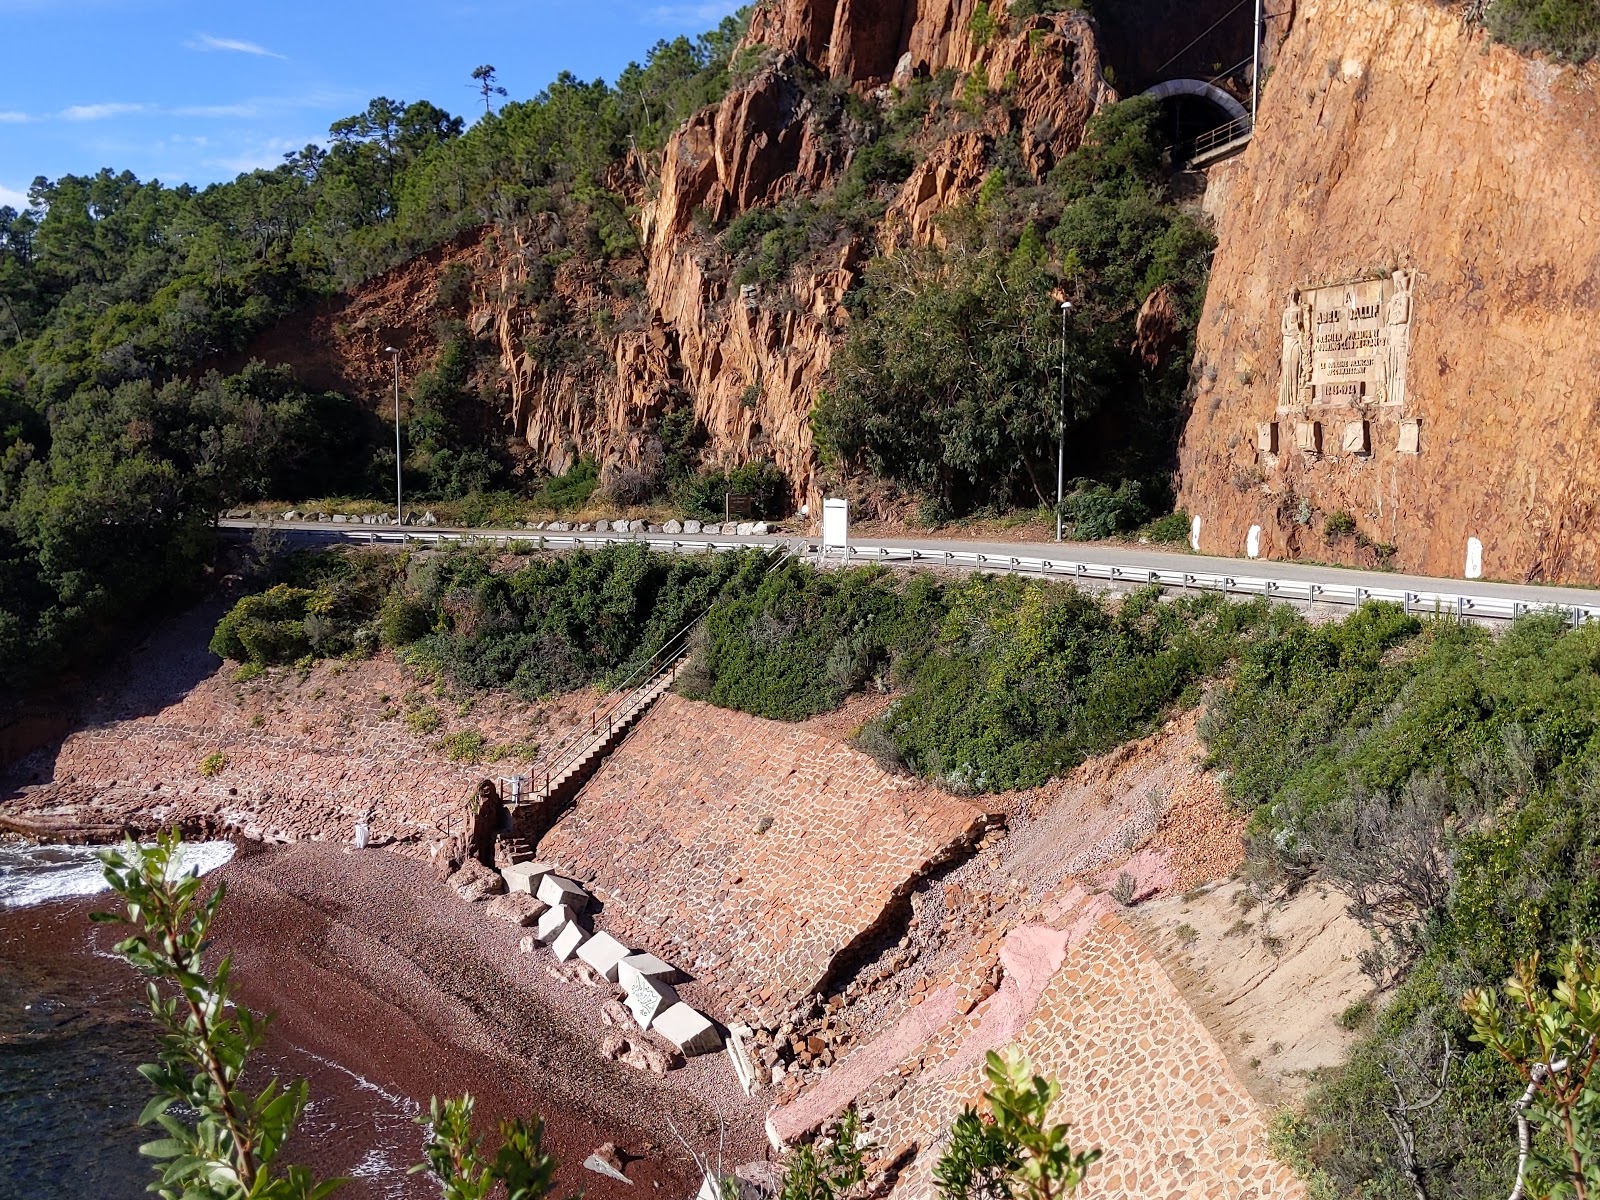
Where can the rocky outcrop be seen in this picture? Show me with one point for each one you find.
(1393, 137)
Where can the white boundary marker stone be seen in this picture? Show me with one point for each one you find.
(555, 891)
(1474, 558)
(643, 966)
(1194, 534)
(1252, 547)
(688, 1030)
(525, 877)
(567, 941)
(553, 922)
(603, 952)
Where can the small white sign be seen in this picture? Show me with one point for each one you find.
(835, 525)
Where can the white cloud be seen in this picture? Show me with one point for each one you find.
(13, 117)
(99, 112)
(11, 198)
(243, 111)
(204, 41)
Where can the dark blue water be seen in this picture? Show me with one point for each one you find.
(73, 1032)
(71, 1038)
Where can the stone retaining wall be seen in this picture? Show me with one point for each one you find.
(751, 852)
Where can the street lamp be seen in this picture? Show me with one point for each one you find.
(399, 514)
(1061, 419)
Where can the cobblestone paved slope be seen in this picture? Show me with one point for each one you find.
(749, 852)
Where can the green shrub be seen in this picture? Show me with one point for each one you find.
(1092, 511)
(704, 495)
(464, 746)
(1170, 529)
(1339, 524)
(212, 764)
(266, 628)
(572, 489)
(1564, 29)
(402, 621)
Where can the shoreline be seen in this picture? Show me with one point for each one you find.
(369, 962)
(385, 989)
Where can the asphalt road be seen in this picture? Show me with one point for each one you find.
(1134, 558)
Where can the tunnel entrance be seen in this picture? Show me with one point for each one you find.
(1197, 113)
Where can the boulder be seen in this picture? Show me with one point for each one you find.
(691, 526)
(291, 515)
(516, 908)
(672, 527)
(603, 952)
(585, 527)
(743, 528)
(602, 526)
(640, 526)
(474, 881)
(556, 891)
(641, 1055)
(526, 876)
(446, 858)
(760, 529)
(690, 1031)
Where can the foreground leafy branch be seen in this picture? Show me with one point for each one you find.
(226, 1149)
(1552, 1039)
(1014, 1153)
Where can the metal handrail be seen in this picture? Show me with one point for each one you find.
(1212, 139)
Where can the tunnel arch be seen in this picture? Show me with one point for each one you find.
(1172, 88)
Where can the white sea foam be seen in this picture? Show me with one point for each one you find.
(32, 874)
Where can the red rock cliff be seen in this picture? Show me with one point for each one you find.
(750, 359)
(1391, 137)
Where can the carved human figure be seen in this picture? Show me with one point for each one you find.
(1397, 337)
(1294, 330)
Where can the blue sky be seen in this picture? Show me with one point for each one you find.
(197, 92)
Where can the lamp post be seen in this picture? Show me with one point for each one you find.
(399, 512)
(1061, 419)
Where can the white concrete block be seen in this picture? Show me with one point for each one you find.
(526, 877)
(568, 941)
(603, 952)
(556, 891)
(649, 997)
(553, 922)
(644, 966)
(691, 1032)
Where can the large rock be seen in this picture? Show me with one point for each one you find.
(486, 815)
(690, 1031)
(603, 952)
(474, 881)
(558, 892)
(517, 908)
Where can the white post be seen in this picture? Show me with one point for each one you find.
(1255, 68)
(836, 528)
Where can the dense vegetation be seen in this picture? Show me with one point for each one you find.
(1002, 683)
(1445, 780)
(950, 376)
(1565, 29)
(116, 451)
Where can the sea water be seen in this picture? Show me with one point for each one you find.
(73, 1031)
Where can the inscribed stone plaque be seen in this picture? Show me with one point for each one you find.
(1346, 345)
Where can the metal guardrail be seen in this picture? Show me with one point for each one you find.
(1212, 140)
(1463, 605)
